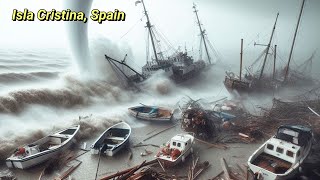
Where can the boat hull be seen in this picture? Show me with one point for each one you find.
(98, 145)
(38, 158)
(147, 116)
(267, 175)
(28, 162)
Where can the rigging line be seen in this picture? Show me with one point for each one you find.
(147, 47)
(132, 27)
(164, 38)
(216, 53)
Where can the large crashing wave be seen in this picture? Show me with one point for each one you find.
(74, 93)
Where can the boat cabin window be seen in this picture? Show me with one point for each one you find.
(179, 144)
(186, 144)
(270, 146)
(174, 143)
(279, 150)
(289, 153)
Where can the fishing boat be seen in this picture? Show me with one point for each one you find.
(43, 149)
(281, 156)
(178, 66)
(151, 113)
(253, 82)
(112, 140)
(176, 150)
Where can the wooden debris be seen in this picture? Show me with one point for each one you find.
(70, 170)
(243, 135)
(220, 146)
(225, 169)
(160, 132)
(128, 170)
(142, 145)
(146, 153)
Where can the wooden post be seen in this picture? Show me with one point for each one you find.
(241, 59)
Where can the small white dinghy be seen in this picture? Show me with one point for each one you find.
(282, 155)
(151, 113)
(176, 150)
(43, 149)
(112, 140)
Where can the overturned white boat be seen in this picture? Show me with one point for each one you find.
(43, 149)
(176, 150)
(282, 155)
(112, 140)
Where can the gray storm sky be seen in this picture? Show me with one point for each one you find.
(226, 22)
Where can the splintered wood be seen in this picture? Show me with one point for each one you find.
(146, 173)
(251, 128)
(233, 173)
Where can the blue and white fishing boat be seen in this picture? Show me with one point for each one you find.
(151, 113)
(112, 140)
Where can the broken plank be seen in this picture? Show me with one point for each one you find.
(225, 169)
(160, 132)
(212, 145)
(127, 170)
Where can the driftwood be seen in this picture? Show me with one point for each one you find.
(142, 145)
(133, 170)
(225, 169)
(70, 170)
(160, 132)
(220, 146)
(128, 170)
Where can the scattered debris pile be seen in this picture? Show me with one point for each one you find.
(63, 166)
(207, 120)
(281, 113)
(151, 171)
(198, 121)
(240, 172)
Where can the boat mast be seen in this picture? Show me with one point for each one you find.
(150, 32)
(241, 59)
(268, 47)
(294, 39)
(202, 33)
(274, 62)
(122, 62)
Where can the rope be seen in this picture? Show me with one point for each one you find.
(132, 27)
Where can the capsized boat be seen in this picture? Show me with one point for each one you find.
(43, 149)
(176, 150)
(112, 140)
(282, 155)
(151, 113)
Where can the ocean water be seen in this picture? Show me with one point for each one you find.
(40, 91)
